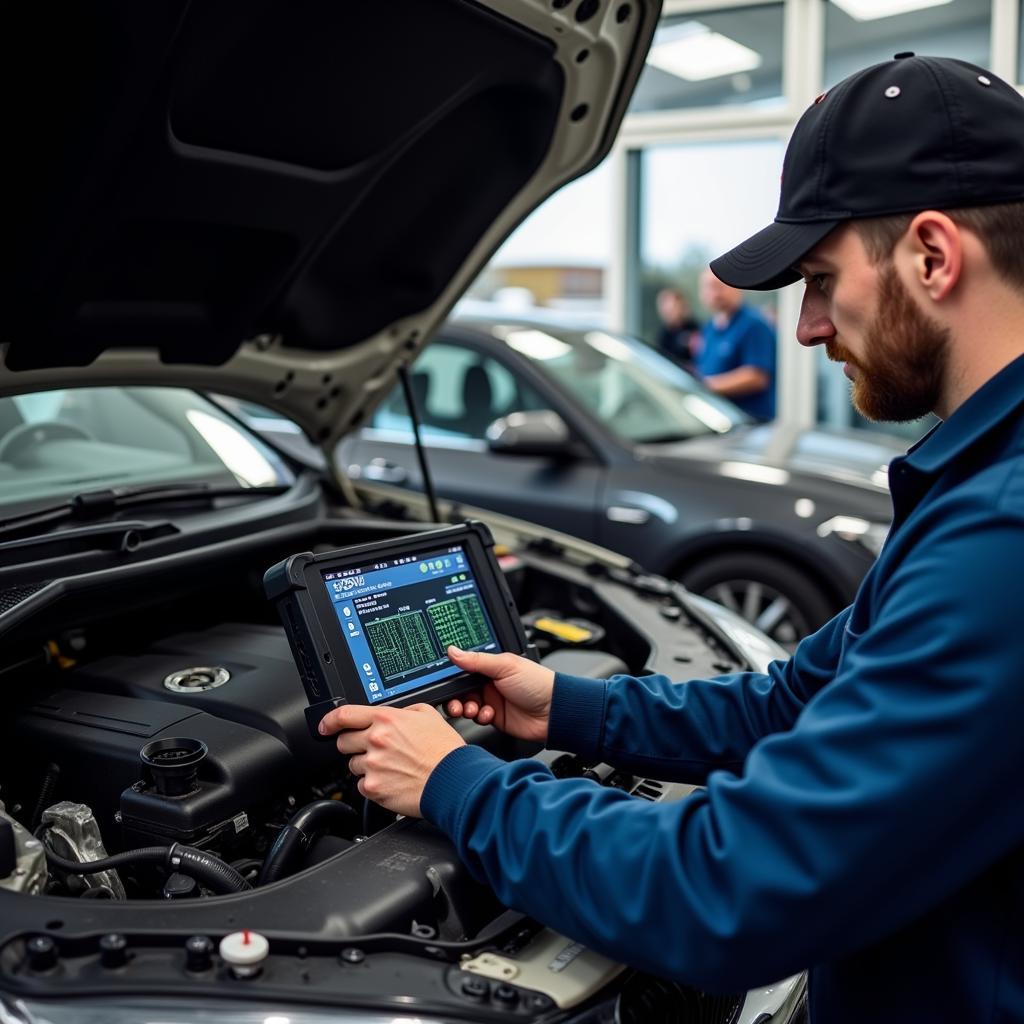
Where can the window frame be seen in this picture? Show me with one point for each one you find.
(472, 337)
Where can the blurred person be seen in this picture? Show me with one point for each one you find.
(679, 335)
(737, 354)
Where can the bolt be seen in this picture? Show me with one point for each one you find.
(506, 995)
(42, 952)
(475, 988)
(351, 955)
(198, 953)
(113, 950)
(536, 1001)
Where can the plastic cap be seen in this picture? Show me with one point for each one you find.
(244, 949)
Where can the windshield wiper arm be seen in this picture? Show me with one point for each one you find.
(124, 536)
(91, 505)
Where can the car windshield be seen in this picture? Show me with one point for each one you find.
(638, 393)
(54, 444)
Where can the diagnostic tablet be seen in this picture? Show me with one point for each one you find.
(371, 624)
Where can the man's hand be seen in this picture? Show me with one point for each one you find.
(518, 701)
(394, 750)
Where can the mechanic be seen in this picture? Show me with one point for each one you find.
(861, 815)
(736, 354)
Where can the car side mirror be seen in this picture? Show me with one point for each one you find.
(542, 433)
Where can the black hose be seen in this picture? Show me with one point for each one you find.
(147, 854)
(46, 791)
(204, 867)
(298, 835)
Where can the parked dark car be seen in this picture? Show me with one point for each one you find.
(275, 201)
(595, 434)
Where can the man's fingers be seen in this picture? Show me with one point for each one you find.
(348, 716)
(352, 742)
(486, 715)
(464, 659)
(492, 665)
(461, 708)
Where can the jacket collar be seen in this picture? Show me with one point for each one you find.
(992, 403)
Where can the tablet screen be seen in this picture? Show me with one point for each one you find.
(399, 615)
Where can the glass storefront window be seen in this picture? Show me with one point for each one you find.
(1020, 44)
(556, 260)
(714, 59)
(696, 201)
(856, 35)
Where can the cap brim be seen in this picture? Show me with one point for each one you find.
(765, 260)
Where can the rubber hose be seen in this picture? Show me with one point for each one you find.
(207, 869)
(147, 854)
(298, 835)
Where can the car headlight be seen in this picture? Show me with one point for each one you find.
(856, 531)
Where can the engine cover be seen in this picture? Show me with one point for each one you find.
(251, 722)
(262, 690)
(95, 739)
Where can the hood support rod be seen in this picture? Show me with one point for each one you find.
(414, 416)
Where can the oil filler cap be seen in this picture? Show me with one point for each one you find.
(244, 952)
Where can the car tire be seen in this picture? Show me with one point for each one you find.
(782, 601)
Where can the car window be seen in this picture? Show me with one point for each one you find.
(638, 393)
(57, 443)
(459, 392)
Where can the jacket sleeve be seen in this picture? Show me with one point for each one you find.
(769, 871)
(681, 731)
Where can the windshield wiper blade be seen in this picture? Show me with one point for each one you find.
(668, 438)
(92, 505)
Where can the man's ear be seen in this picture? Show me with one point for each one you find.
(933, 246)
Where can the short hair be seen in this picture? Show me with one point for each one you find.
(1000, 228)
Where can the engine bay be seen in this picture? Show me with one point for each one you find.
(168, 746)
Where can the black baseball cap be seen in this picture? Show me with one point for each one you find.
(912, 134)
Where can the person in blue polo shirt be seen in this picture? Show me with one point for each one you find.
(736, 357)
(861, 815)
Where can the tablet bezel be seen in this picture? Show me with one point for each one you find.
(335, 663)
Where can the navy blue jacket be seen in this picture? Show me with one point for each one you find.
(746, 340)
(863, 812)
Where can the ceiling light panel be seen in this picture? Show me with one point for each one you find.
(872, 10)
(693, 52)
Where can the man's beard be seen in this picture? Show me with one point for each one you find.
(901, 375)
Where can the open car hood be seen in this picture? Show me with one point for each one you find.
(280, 199)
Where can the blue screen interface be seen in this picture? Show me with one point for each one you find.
(399, 615)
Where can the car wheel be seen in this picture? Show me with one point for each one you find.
(780, 600)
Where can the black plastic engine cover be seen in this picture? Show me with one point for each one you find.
(96, 738)
(263, 692)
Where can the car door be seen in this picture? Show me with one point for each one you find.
(460, 390)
